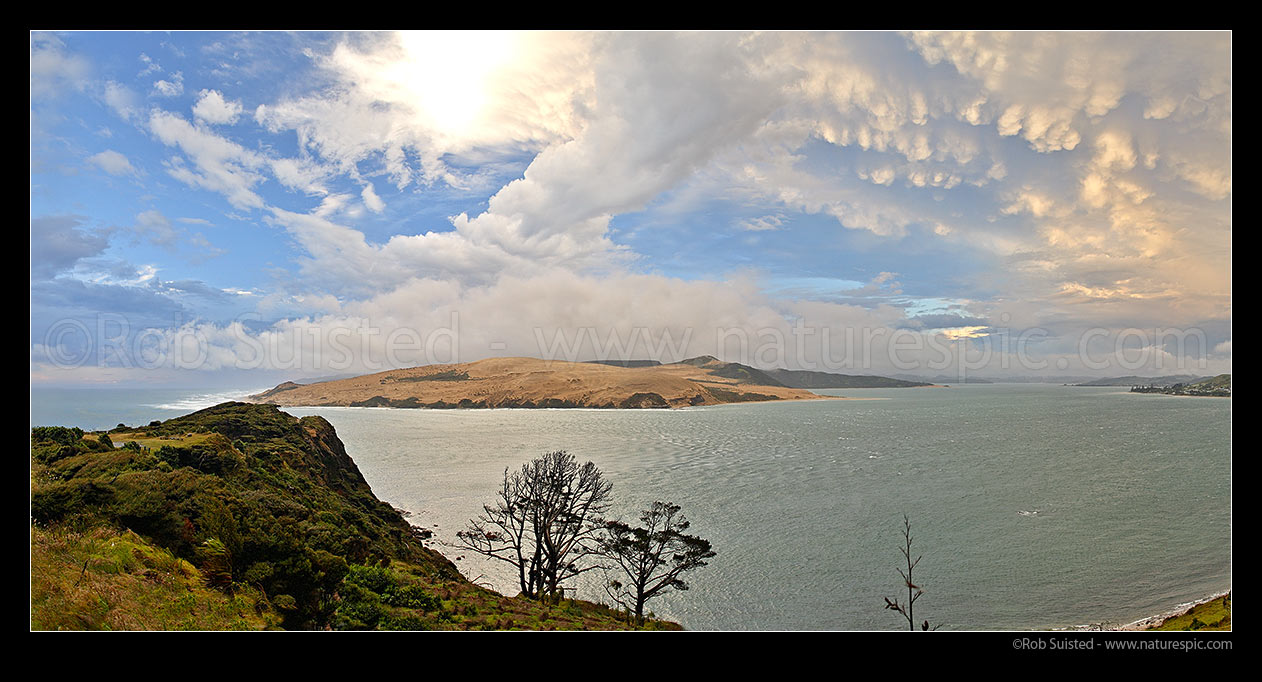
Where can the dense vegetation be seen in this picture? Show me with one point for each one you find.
(260, 517)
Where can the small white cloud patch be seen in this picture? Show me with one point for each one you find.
(112, 162)
(371, 200)
(170, 88)
(212, 108)
(766, 223)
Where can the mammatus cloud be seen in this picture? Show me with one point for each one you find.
(1047, 87)
(628, 123)
(1089, 171)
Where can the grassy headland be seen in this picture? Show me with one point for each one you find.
(242, 517)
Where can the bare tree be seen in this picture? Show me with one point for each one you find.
(544, 522)
(914, 591)
(503, 532)
(652, 557)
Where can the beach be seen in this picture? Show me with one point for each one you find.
(1150, 622)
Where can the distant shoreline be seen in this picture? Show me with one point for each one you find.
(672, 408)
(1177, 395)
(1143, 624)
(1152, 621)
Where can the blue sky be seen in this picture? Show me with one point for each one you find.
(238, 193)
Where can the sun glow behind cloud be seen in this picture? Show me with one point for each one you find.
(857, 177)
(957, 333)
(468, 88)
(446, 76)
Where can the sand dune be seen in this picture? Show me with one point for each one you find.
(530, 382)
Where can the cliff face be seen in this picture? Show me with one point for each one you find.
(532, 383)
(241, 516)
(304, 456)
(274, 497)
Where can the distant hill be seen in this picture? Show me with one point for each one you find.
(944, 379)
(625, 363)
(733, 370)
(1144, 381)
(1218, 387)
(1222, 381)
(776, 377)
(810, 379)
(534, 383)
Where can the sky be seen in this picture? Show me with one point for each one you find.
(229, 208)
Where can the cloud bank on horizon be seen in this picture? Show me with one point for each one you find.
(923, 203)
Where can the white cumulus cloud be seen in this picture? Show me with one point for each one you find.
(211, 107)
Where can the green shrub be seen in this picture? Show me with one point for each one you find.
(412, 597)
(57, 434)
(373, 578)
(59, 500)
(258, 572)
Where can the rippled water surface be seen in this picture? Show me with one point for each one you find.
(1034, 506)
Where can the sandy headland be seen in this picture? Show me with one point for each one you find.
(535, 383)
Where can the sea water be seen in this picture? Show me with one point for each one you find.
(1033, 506)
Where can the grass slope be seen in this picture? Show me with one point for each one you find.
(241, 516)
(1214, 614)
(105, 579)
